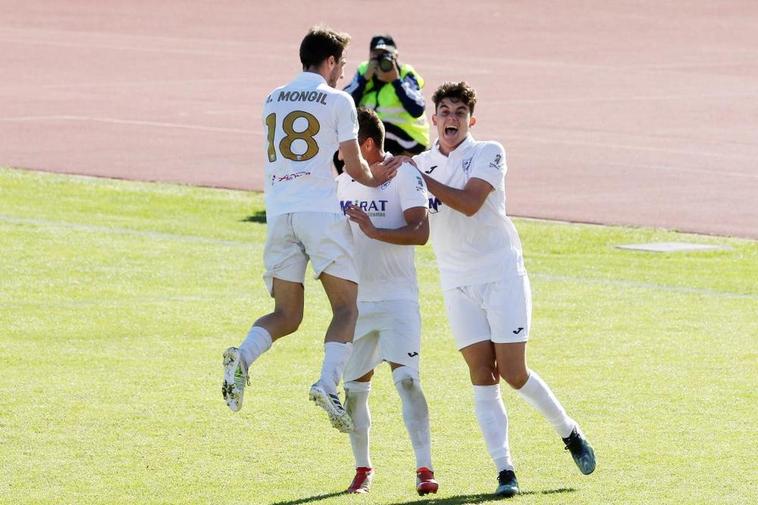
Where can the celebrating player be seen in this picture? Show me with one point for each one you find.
(387, 222)
(305, 122)
(486, 288)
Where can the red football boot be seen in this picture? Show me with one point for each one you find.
(362, 480)
(425, 482)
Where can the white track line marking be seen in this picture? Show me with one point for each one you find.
(134, 122)
(611, 145)
(670, 168)
(632, 98)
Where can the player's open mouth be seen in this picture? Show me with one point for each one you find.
(450, 130)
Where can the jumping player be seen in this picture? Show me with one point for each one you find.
(305, 122)
(486, 288)
(386, 222)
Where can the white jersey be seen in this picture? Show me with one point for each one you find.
(305, 121)
(477, 249)
(385, 271)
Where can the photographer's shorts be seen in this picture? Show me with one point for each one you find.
(321, 237)
(386, 331)
(500, 311)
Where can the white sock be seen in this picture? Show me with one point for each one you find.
(336, 355)
(415, 414)
(539, 396)
(493, 421)
(256, 343)
(356, 404)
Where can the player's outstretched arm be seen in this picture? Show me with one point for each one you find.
(374, 175)
(415, 232)
(467, 200)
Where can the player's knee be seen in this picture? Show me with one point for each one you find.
(515, 378)
(289, 319)
(406, 379)
(346, 313)
(485, 374)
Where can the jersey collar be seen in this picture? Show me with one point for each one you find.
(467, 142)
(310, 77)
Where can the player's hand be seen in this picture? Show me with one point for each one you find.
(385, 170)
(406, 159)
(362, 219)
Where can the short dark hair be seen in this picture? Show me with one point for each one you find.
(370, 126)
(320, 43)
(457, 92)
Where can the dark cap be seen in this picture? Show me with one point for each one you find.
(383, 43)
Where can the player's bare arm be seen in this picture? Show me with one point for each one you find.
(356, 166)
(415, 232)
(467, 200)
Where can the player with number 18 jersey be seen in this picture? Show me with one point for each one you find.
(305, 121)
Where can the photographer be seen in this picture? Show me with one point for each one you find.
(393, 90)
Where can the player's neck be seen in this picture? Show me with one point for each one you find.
(375, 157)
(445, 150)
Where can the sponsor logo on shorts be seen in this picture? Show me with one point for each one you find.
(412, 354)
(516, 332)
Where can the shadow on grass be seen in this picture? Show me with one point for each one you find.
(258, 217)
(450, 500)
(479, 498)
(309, 499)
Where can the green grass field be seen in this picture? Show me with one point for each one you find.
(118, 298)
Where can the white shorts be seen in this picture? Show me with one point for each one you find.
(386, 331)
(321, 237)
(499, 311)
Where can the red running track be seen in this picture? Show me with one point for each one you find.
(617, 112)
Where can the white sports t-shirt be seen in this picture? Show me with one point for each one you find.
(385, 271)
(304, 123)
(483, 247)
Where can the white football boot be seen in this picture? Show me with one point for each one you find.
(330, 402)
(235, 379)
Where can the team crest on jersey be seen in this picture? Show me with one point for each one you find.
(467, 165)
(497, 163)
(419, 184)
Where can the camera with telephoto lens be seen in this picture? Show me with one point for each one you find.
(385, 61)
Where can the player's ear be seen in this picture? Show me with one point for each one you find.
(472, 121)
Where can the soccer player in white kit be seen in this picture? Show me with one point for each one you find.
(485, 285)
(305, 122)
(387, 222)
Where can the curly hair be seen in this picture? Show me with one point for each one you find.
(457, 92)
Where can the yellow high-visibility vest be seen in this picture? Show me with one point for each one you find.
(390, 109)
